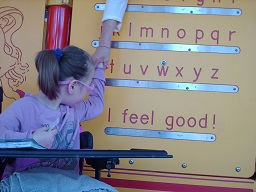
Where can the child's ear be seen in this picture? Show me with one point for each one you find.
(71, 86)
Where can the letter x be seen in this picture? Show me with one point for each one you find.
(179, 71)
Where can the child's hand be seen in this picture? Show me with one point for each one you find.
(101, 65)
(44, 136)
(101, 55)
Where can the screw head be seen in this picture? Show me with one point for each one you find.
(131, 161)
(184, 165)
(238, 169)
(163, 62)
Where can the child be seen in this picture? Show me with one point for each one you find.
(52, 118)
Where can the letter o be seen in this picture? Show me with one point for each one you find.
(183, 121)
(184, 33)
(190, 121)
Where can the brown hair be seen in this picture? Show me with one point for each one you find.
(74, 62)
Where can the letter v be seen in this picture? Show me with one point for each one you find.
(143, 71)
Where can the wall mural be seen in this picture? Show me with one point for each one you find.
(13, 74)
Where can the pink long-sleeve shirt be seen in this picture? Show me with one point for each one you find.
(27, 114)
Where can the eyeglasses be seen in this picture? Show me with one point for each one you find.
(90, 87)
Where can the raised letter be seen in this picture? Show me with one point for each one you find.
(152, 118)
(125, 113)
(197, 74)
(183, 121)
(189, 120)
(167, 32)
(144, 117)
(170, 124)
(135, 117)
(213, 76)
(142, 70)
(184, 33)
(130, 69)
(230, 34)
(109, 114)
(214, 121)
(179, 71)
(111, 66)
(197, 34)
(203, 120)
(147, 29)
(162, 70)
(200, 1)
(130, 30)
(217, 35)
(114, 33)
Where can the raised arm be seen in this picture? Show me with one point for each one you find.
(111, 21)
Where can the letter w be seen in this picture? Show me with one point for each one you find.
(162, 70)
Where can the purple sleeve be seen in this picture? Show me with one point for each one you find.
(94, 106)
(10, 123)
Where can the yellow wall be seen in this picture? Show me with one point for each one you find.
(227, 116)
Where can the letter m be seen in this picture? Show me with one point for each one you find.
(149, 29)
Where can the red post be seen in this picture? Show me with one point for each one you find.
(58, 26)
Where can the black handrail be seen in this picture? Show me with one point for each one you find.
(54, 153)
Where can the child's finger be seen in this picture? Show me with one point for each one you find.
(45, 128)
(54, 131)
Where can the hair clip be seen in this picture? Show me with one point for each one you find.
(58, 53)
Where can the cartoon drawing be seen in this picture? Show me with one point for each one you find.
(13, 72)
